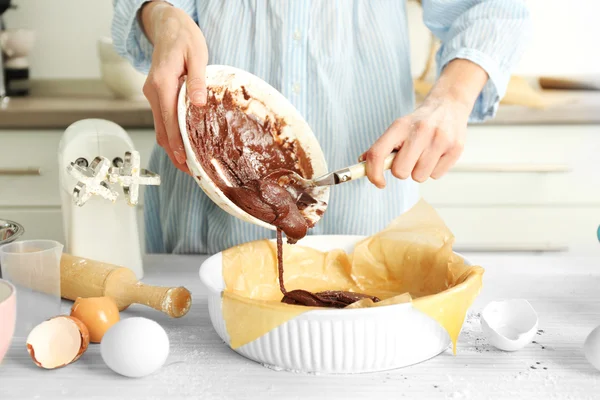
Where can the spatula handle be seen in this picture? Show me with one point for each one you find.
(359, 170)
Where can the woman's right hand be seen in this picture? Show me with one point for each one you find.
(179, 50)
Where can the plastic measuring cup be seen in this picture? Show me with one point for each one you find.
(33, 267)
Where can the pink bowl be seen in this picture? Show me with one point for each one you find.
(8, 315)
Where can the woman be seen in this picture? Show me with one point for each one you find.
(345, 66)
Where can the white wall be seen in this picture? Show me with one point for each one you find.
(565, 38)
(564, 42)
(67, 31)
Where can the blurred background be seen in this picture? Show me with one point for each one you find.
(528, 180)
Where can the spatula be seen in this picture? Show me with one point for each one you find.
(351, 173)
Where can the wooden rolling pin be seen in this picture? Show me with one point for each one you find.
(80, 277)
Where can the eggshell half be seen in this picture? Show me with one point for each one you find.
(57, 342)
(509, 325)
(97, 313)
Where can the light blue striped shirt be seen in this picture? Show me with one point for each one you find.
(345, 66)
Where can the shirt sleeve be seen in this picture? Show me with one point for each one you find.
(490, 33)
(128, 37)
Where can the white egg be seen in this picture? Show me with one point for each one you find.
(591, 348)
(135, 347)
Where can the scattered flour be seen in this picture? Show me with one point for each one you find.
(280, 369)
(462, 394)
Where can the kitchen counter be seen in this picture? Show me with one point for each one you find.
(58, 111)
(56, 104)
(563, 107)
(563, 290)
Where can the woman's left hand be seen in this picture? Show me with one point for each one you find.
(431, 139)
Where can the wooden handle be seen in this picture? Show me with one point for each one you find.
(359, 170)
(122, 286)
(87, 278)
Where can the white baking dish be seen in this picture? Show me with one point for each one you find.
(335, 340)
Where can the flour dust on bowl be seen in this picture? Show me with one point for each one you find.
(333, 341)
(263, 106)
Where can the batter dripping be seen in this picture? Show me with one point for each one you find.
(239, 152)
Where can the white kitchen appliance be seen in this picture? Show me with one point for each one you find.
(100, 221)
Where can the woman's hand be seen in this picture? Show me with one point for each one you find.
(179, 50)
(431, 139)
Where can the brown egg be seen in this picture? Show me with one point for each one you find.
(97, 313)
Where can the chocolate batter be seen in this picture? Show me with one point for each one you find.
(328, 298)
(245, 158)
(238, 152)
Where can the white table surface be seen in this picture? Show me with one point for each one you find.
(564, 290)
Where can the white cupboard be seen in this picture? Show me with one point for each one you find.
(516, 187)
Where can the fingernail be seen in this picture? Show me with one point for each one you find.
(378, 185)
(179, 157)
(198, 98)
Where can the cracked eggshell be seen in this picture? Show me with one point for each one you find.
(509, 325)
(57, 342)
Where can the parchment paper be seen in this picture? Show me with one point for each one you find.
(409, 261)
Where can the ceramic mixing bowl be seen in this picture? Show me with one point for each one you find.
(8, 315)
(266, 101)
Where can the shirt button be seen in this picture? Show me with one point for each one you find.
(297, 35)
(296, 88)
